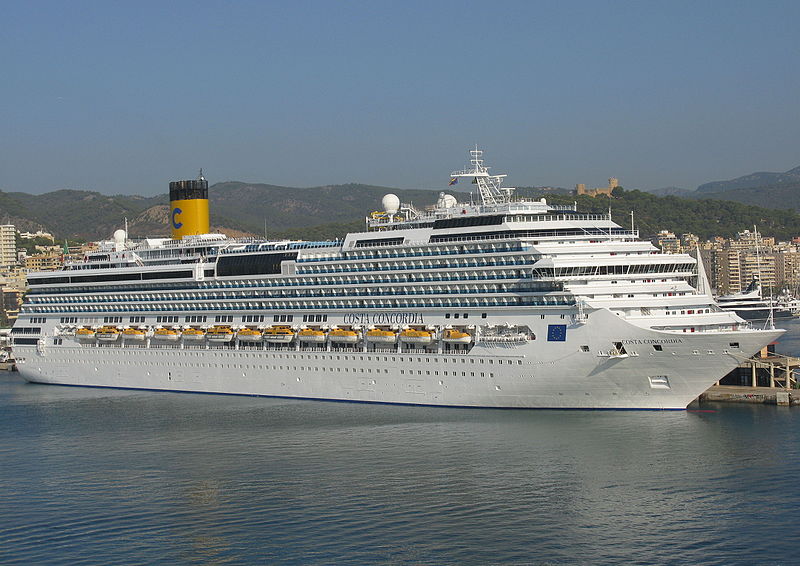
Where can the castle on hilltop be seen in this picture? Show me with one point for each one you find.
(613, 183)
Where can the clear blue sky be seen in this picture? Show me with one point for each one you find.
(122, 97)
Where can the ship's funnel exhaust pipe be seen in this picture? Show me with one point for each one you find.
(189, 207)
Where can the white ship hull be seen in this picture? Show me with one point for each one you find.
(565, 310)
(534, 374)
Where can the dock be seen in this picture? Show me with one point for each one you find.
(766, 378)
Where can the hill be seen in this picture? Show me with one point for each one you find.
(761, 179)
(671, 191)
(770, 196)
(236, 208)
(704, 217)
(332, 211)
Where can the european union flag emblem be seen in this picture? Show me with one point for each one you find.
(556, 332)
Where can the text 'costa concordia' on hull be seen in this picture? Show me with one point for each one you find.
(505, 303)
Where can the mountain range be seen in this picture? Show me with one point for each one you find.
(770, 190)
(330, 211)
(236, 209)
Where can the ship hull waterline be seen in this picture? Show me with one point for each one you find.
(536, 374)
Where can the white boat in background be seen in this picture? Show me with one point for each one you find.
(751, 305)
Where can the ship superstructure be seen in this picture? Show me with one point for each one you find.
(503, 302)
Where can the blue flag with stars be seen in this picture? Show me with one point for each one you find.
(556, 332)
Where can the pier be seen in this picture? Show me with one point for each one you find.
(767, 378)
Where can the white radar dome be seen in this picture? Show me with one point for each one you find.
(446, 201)
(391, 203)
(119, 240)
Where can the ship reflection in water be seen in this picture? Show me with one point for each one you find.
(101, 476)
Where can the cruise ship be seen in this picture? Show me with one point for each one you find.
(498, 302)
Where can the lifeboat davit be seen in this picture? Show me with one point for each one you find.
(220, 334)
(85, 334)
(279, 334)
(311, 335)
(379, 336)
(413, 336)
(452, 336)
(342, 336)
(107, 334)
(249, 335)
(166, 334)
(134, 334)
(193, 335)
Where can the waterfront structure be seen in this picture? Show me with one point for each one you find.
(503, 303)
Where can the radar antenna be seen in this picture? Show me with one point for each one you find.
(488, 185)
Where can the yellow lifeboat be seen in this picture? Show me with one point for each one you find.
(343, 336)
(166, 334)
(134, 334)
(311, 335)
(107, 334)
(249, 335)
(85, 334)
(453, 336)
(193, 334)
(414, 336)
(279, 334)
(220, 333)
(380, 336)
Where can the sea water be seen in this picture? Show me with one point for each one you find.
(99, 476)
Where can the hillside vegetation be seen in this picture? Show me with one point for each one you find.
(703, 217)
(331, 211)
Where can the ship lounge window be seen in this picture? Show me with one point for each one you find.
(26, 330)
(255, 264)
(379, 242)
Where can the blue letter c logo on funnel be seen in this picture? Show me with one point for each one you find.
(176, 224)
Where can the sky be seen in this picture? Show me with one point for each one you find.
(122, 97)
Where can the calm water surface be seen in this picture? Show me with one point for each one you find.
(92, 476)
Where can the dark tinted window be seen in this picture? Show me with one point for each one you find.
(256, 264)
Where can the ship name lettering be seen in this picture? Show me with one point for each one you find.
(383, 318)
(653, 341)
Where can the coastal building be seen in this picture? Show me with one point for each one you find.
(8, 245)
(689, 242)
(668, 242)
(47, 261)
(37, 234)
(10, 302)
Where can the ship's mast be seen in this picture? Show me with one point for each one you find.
(488, 185)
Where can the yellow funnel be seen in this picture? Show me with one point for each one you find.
(188, 202)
